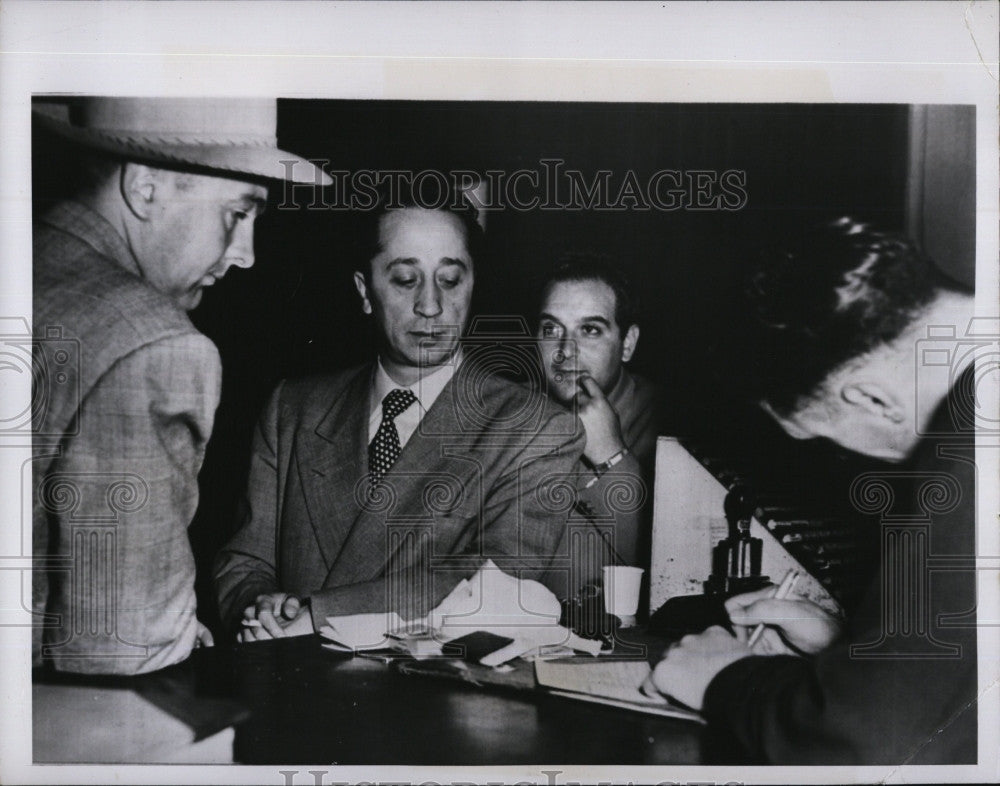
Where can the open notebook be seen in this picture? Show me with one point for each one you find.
(614, 682)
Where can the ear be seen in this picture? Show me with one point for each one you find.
(138, 188)
(362, 286)
(874, 399)
(629, 343)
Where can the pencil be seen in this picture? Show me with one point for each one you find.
(780, 593)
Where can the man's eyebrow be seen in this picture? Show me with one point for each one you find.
(454, 261)
(549, 317)
(408, 261)
(413, 261)
(597, 318)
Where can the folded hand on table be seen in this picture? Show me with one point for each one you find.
(275, 615)
(795, 626)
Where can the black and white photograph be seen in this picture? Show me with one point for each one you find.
(493, 420)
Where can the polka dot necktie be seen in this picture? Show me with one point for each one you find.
(384, 449)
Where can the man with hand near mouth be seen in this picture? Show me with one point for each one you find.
(588, 330)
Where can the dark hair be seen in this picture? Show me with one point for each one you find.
(587, 266)
(399, 195)
(833, 292)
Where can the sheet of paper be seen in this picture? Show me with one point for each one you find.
(613, 682)
(495, 601)
(361, 631)
(613, 679)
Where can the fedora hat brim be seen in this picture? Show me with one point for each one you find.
(231, 157)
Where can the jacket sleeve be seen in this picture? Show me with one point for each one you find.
(910, 702)
(117, 503)
(526, 510)
(247, 565)
(619, 497)
(900, 685)
(622, 498)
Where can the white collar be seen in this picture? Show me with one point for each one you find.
(426, 389)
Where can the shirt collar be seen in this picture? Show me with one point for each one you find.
(427, 389)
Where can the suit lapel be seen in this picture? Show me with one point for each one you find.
(363, 555)
(332, 459)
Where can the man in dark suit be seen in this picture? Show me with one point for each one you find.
(861, 341)
(379, 488)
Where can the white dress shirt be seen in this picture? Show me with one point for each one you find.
(426, 390)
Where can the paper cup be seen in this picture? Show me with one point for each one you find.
(621, 590)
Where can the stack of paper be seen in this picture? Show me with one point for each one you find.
(522, 610)
(490, 601)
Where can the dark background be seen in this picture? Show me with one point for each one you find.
(296, 312)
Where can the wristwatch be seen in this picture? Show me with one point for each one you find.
(604, 466)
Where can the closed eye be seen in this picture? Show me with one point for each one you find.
(449, 282)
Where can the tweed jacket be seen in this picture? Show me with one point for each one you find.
(126, 393)
(487, 474)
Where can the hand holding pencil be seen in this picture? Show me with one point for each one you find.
(786, 625)
(799, 626)
(780, 593)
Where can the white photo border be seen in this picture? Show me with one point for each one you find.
(909, 52)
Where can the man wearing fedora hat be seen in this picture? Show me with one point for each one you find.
(166, 203)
